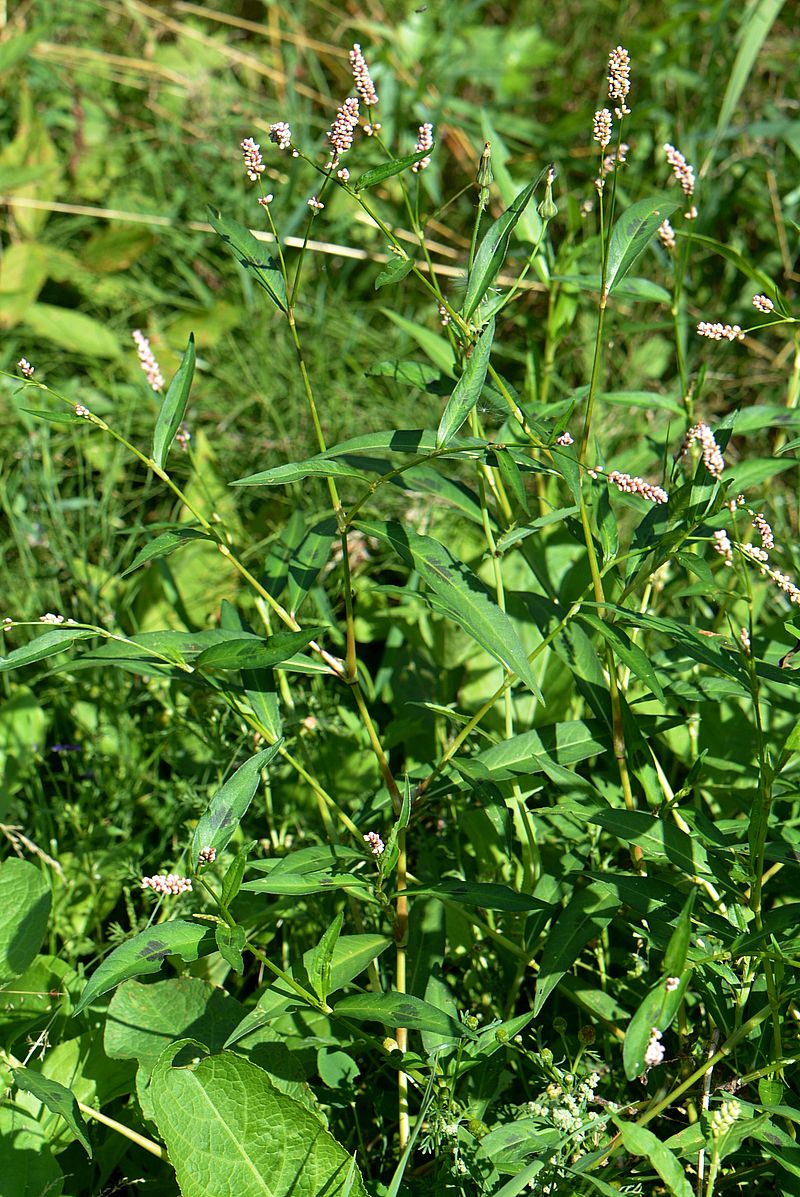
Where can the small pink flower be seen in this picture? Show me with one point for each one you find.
(681, 169)
(265, 200)
(654, 1052)
(315, 205)
(762, 303)
(167, 883)
(340, 134)
(207, 856)
(80, 410)
(619, 80)
(666, 235)
(24, 367)
(719, 332)
(376, 844)
(424, 142)
(51, 618)
(638, 486)
(712, 455)
(281, 134)
(147, 360)
(671, 984)
(253, 162)
(601, 130)
(565, 439)
(362, 78)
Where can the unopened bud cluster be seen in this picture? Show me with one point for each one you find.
(719, 332)
(619, 80)
(147, 360)
(601, 130)
(712, 455)
(376, 844)
(666, 235)
(723, 1118)
(362, 78)
(253, 162)
(763, 303)
(637, 486)
(654, 1052)
(424, 143)
(207, 856)
(281, 135)
(24, 367)
(167, 883)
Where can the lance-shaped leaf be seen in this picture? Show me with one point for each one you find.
(638, 1140)
(493, 249)
(462, 596)
(401, 1010)
(632, 233)
(173, 408)
(589, 911)
(468, 389)
(378, 174)
(656, 1012)
(255, 652)
(145, 953)
(394, 271)
(229, 1130)
(58, 1099)
(165, 544)
(43, 646)
(250, 253)
(229, 805)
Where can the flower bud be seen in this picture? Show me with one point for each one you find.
(587, 1036)
(559, 1025)
(548, 209)
(485, 176)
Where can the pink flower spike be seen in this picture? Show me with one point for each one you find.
(424, 142)
(362, 78)
(253, 163)
(376, 844)
(147, 361)
(24, 367)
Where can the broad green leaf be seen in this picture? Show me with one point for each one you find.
(250, 253)
(468, 389)
(352, 954)
(638, 1140)
(678, 946)
(439, 995)
(759, 277)
(143, 1018)
(395, 271)
(463, 596)
(255, 652)
(230, 1132)
(657, 1010)
(415, 374)
(632, 234)
(46, 645)
(314, 467)
(163, 545)
(379, 173)
(24, 910)
(229, 805)
(567, 743)
(400, 1010)
(72, 331)
(588, 912)
(307, 560)
(487, 894)
(55, 417)
(493, 249)
(145, 953)
(173, 408)
(296, 884)
(230, 943)
(57, 1098)
(14, 49)
(27, 1159)
(658, 837)
(755, 471)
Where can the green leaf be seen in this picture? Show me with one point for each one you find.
(632, 234)
(143, 1018)
(24, 910)
(173, 407)
(493, 249)
(14, 49)
(296, 471)
(163, 545)
(230, 941)
(229, 1130)
(72, 330)
(318, 964)
(657, 1010)
(46, 645)
(756, 24)
(351, 956)
(229, 805)
(378, 174)
(638, 1140)
(232, 881)
(58, 1099)
(250, 253)
(400, 1010)
(659, 838)
(415, 374)
(468, 389)
(678, 946)
(294, 884)
(395, 271)
(762, 280)
(587, 914)
(55, 417)
(435, 345)
(145, 953)
(307, 560)
(627, 651)
(464, 597)
(486, 894)
(255, 652)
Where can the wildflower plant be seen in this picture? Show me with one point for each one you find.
(518, 805)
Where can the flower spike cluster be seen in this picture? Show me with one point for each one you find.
(719, 332)
(362, 78)
(424, 142)
(253, 162)
(619, 80)
(637, 486)
(167, 883)
(340, 134)
(712, 455)
(147, 360)
(281, 134)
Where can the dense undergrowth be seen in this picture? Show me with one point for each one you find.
(469, 712)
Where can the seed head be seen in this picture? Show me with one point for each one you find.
(253, 163)
(24, 367)
(619, 80)
(362, 78)
(601, 131)
(147, 361)
(762, 303)
(281, 134)
(424, 142)
(719, 332)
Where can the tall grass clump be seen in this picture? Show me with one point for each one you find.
(440, 834)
